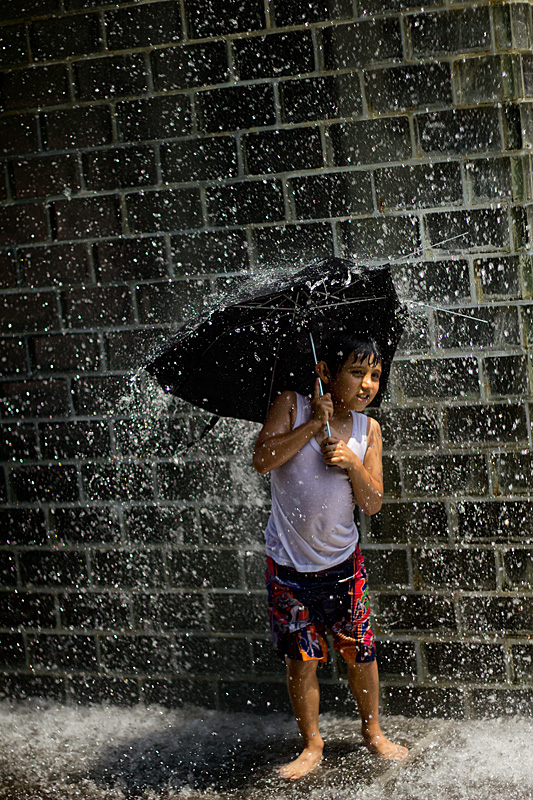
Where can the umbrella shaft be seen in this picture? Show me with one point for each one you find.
(320, 387)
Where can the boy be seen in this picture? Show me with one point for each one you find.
(315, 571)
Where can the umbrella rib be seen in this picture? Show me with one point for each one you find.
(330, 294)
(445, 311)
(352, 302)
(420, 250)
(327, 305)
(273, 300)
(264, 308)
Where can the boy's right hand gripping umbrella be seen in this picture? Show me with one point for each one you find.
(235, 359)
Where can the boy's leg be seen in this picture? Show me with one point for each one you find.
(353, 638)
(304, 693)
(364, 683)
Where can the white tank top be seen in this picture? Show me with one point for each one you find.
(311, 525)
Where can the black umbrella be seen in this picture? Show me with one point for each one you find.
(233, 360)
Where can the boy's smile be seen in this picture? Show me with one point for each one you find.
(355, 384)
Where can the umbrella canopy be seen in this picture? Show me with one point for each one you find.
(235, 359)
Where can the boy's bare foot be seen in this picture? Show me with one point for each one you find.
(308, 759)
(379, 744)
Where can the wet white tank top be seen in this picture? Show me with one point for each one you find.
(311, 526)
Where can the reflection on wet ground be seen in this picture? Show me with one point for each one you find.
(53, 752)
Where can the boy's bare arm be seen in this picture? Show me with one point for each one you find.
(366, 477)
(278, 440)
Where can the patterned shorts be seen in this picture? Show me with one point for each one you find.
(303, 605)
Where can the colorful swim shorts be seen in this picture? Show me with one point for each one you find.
(303, 605)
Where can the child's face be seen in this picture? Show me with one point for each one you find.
(356, 383)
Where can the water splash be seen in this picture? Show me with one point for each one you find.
(100, 753)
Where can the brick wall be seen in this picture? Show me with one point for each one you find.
(152, 154)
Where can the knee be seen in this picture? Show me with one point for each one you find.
(300, 669)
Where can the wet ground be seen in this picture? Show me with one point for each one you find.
(51, 752)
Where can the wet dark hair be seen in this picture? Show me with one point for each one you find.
(336, 350)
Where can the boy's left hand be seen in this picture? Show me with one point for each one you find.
(336, 453)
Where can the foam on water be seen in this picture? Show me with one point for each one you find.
(101, 753)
